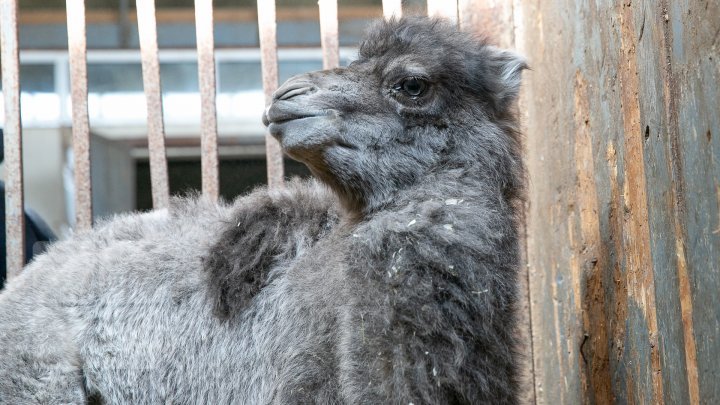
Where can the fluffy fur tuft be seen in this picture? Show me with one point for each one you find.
(268, 227)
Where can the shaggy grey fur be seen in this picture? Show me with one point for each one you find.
(392, 281)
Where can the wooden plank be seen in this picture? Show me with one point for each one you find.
(268, 59)
(553, 265)
(77, 48)
(12, 140)
(669, 261)
(392, 8)
(590, 286)
(208, 111)
(646, 380)
(589, 253)
(507, 38)
(692, 43)
(629, 279)
(493, 19)
(329, 33)
(147, 30)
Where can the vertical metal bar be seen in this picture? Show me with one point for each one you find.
(268, 52)
(153, 95)
(206, 78)
(443, 9)
(81, 128)
(14, 194)
(329, 33)
(392, 8)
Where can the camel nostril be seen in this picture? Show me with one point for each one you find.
(296, 92)
(297, 89)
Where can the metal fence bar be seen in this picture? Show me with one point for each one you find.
(268, 59)
(392, 8)
(443, 9)
(81, 127)
(147, 30)
(14, 194)
(206, 80)
(329, 33)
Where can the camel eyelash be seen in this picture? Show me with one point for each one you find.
(412, 86)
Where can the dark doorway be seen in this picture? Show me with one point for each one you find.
(237, 176)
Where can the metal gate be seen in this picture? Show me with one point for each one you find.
(151, 82)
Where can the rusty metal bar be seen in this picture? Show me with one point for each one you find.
(443, 9)
(81, 128)
(392, 8)
(14, 194)
(147, 30)
(268, 58)
(329, 33)
(206, 79)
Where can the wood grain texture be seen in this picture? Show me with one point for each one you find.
(623, 232)
(692, 44)
(492, 19)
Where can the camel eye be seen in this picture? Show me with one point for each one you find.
(414, 86)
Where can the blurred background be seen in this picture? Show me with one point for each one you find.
(119, 155)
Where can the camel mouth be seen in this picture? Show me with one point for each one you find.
(281, 114)
(298, 127)
(279, 127)
(303, 132)
(346, 145)
(289, 119)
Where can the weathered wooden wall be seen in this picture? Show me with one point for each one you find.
(622, 110)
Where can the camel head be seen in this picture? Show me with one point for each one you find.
(421, 97)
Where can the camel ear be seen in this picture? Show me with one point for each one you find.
(505, 75)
